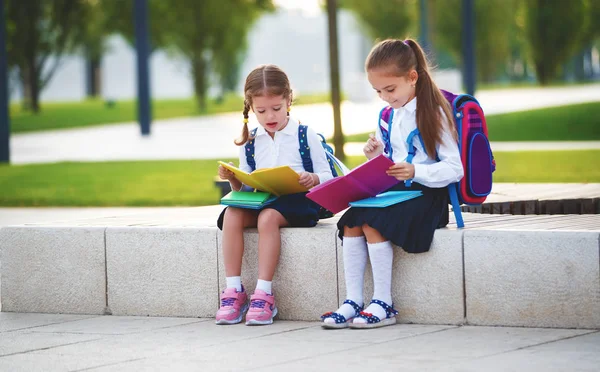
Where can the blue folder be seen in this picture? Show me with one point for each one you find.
(386, 199)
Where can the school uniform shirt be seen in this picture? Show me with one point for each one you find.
(283, 149)
(428, 172)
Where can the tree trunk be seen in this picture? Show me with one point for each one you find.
(26, 87)
(542, 76)
(34, 82)
(334, 68)
(93, 78)
(199, 76)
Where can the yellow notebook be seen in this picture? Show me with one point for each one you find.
(277, 181)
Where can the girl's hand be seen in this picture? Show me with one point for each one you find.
(308, 180)
(373, 147)
(401, 171)
(225, 173)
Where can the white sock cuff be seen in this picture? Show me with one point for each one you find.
(380, 245)
(354, 239)
(264, 285)
(234, 282)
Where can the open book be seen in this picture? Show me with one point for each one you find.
(364, 181)
(277, 181)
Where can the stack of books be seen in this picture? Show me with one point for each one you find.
(249, 200)
(269, 183)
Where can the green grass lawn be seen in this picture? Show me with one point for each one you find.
(579, 122)
(191, 183)
(97, 112)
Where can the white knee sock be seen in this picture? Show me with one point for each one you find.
(355, 259)
(381, 256)
(234, 282)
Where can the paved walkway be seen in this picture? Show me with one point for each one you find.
(212, 136)
(44, 342)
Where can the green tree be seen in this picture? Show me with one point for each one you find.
(554, 30)
(41, 32)
(119, 18)
(95, 33)
(518, 64)
(493, 21)
(210, 34)
(384, 19)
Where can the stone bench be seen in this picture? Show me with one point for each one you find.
(535, 271)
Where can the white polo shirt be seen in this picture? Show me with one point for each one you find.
(428, 172)
(284, 149)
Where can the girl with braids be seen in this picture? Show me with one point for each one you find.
(275, 142)
(428, 161)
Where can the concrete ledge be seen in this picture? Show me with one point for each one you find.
(427, 288)
(53, 269)
(161, 271)
(500, 270)
(533, 279)
(305, 281)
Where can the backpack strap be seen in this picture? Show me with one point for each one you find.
(304, 148)
(455, 204)
(412, 150)
(250, 150)
(452, 192)
(305, 153)
(387, 115)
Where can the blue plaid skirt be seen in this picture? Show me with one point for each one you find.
(298, 210)
(409, 224)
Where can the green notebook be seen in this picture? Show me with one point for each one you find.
(246, 199)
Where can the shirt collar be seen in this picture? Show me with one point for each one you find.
(411, 105)
(290, 129)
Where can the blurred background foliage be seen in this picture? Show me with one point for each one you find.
(544, 41)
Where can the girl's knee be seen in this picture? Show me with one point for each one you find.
(234, 217)
(270, 219)
(353, 231)
(373, 235)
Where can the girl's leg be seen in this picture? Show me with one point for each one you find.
(234, 222)
(269, 246)
(354, 250)
(381, 255)
(233, 300)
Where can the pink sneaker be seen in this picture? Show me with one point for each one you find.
(233, 306)
(262, 309)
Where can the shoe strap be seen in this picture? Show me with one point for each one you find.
(389, 311)
(356, 307)
(231, 294)
(263, 297)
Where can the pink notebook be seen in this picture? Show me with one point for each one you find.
(364, 181)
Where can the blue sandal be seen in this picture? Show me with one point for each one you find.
(374, 321)
(340, 320)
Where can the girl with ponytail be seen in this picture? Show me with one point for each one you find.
(428, 161)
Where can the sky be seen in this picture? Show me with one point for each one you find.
(309, 6)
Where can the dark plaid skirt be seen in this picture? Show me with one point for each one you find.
(298, 210)
(409, 224)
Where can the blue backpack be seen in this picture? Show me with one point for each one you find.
(474, 148)
(306, 159)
